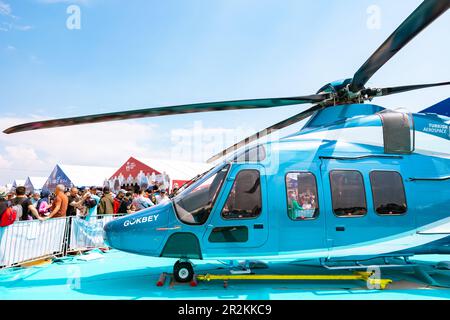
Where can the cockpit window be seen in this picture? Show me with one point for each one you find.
(194, 204)
(244, 200)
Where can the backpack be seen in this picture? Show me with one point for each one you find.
(16, 204)
(18, 209)
(10, 214)
(117, 204)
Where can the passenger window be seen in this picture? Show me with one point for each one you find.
(244, 200)
(388, 192)
(302, 200)
(348, 194)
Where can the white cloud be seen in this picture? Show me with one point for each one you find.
(10, 48)
(201, 142)
(23, 27)
(21, 152)
(6, 26)
(5, 9)
(104, 144)
(4, 164)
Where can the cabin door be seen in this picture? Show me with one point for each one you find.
(239, 218)
(366, 206)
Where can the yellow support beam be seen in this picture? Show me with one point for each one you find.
(365, 276)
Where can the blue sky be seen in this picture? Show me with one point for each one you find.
(133, 54)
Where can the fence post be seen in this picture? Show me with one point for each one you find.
(66, 235)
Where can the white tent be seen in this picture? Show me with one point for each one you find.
(18, 182)
(167, 172)
(35, 183)
(177, 170)
(78, 176)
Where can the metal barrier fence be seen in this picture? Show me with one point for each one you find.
(26, 241)
(82, 234)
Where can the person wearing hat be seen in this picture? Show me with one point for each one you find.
(149, 192)
(118, 201)
(4, 204)
(3, 193)
(125, 205)
(162, 197)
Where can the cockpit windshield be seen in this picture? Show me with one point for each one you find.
(194, 204)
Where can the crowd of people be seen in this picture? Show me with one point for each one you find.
(82, 202)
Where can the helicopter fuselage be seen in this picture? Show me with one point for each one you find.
(330, 191)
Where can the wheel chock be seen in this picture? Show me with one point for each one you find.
(161, 280)
(194, 282)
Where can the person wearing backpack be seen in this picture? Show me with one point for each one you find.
(7, 214)
(28, 209)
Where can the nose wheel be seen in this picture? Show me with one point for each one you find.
(183, 271)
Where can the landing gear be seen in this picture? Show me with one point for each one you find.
(183, 271)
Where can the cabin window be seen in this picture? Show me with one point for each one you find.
(194, 204)
(302, 198)
(244, 200)
(348, 194)
(388, 192)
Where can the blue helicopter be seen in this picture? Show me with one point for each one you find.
(357, 182)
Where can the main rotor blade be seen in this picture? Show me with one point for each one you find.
(426, 13)
(394, 90)
(280, 125)
(173, 110)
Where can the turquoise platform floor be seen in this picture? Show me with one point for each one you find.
(118, 275)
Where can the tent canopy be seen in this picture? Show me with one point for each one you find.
(78, 176)
(35, 183)
(18, 182)
(178, 171)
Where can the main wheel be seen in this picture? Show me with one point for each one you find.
(183, 271)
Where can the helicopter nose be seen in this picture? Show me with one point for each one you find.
(141, 232)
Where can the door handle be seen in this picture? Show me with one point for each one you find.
(166, 229)
(340, 228)
(258, 226)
